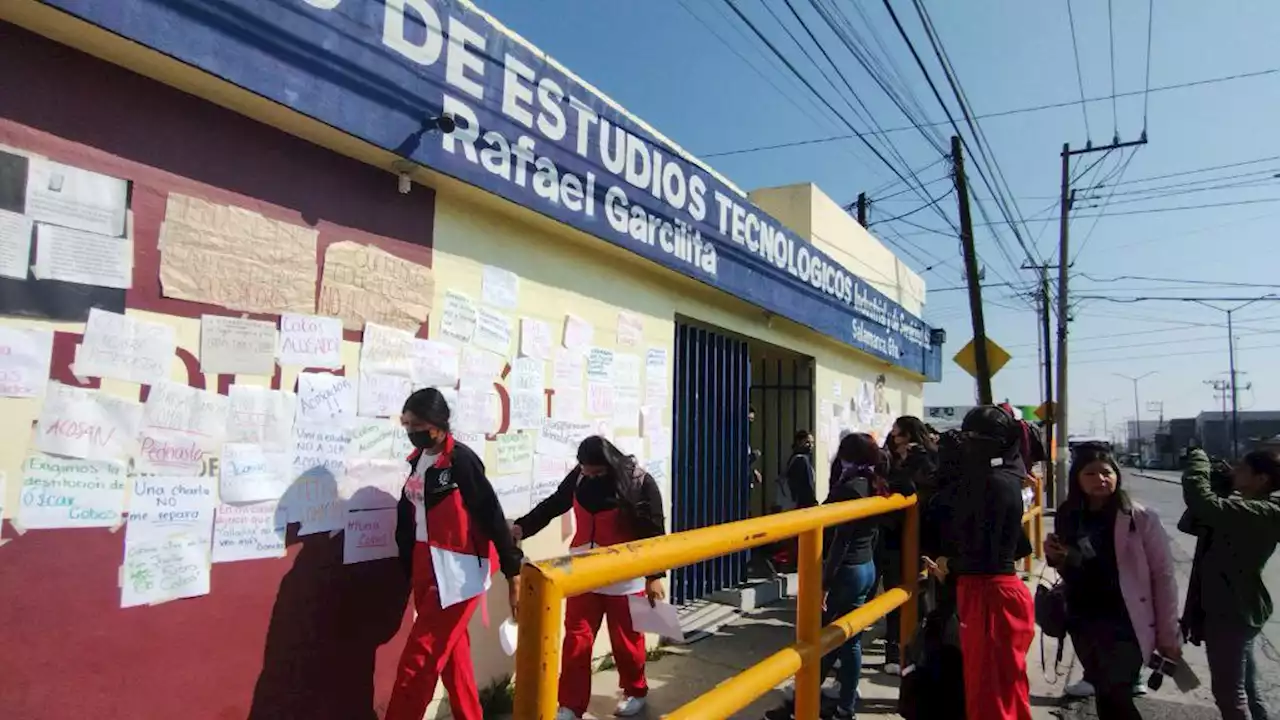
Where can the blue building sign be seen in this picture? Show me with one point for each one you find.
(386, 71)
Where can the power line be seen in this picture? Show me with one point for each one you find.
(1149, 211)
(1005, 113)
(932, 203)
(1146, 95)
(1120, 177)
(1111, 35)
(1188, 281)
(1075, 49)
(1164, 355)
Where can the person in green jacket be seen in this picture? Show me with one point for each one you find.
(1239, 533)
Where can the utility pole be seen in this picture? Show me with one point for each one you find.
(1064, 265)
(1046, 328)
(1137, 412)
(971, 276)
(862, 209)
(1222, 391)
(1104, 405)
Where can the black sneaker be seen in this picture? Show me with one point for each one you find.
(785, 711)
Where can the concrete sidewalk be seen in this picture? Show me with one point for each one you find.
(685, 672)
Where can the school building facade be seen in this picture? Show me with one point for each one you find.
(513, 195)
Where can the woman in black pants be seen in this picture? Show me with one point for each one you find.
(913, 459)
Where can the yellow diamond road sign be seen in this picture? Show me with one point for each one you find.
(996, 358)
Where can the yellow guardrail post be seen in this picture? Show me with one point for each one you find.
(909, 614)
(538, 649)
(809, 622)
(1038, 543)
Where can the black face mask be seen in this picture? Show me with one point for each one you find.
(423, 440)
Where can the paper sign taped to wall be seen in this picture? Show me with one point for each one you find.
(434, 364)
(319, 464)
(233, 257)
(181, 426)
(251, 531)
(369, 535)
(578, 333)
(311, 341)
(382, 395)
(526, 374)
(476, 410)
(600, 364)
(600, 399)
(567, 404)
(162, 570)
(260, 416)
(386, 350)
(559, 438)
(626, 409)
(372, 484)
(548, 472)
(458, 318)
(535, 338)
(75, 198)
(528, 409)
(65, 493)
(493, 331)
(251, 473)
(125, 348)
(15, 245)
(236, 346)
(364, 284)
(515, 493)
(568, 368)
(630, 329)
(25, 355)
(375, 439)
(162, 507)
(84, 258)
(322, 396)
(480, 367)
(515, 453)
(500, 288)
(89, 424)
(626, 370)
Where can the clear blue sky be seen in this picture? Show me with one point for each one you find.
(665, 66)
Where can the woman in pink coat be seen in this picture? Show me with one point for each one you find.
(1122, 597)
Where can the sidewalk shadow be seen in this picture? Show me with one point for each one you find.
(327, 624)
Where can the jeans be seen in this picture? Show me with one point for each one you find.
(1232, 670)
(1109, 652)
(849, 590)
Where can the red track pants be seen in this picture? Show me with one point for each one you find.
(439, 648)
(581, 623)
(997, 625)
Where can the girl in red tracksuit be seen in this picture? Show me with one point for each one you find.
(450, 524)
(614, 501)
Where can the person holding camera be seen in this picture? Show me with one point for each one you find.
(1238, 536)
(1122, 597)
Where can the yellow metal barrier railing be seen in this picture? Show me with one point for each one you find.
(1033, 523)
(546, 584)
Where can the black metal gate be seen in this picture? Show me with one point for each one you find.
(710, 481)
(782, 394)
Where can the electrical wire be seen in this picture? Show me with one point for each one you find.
(1133, 152)
(1075, 49)
(1146, 95)
(1111, 36)
(1006, 113)
(935, 201)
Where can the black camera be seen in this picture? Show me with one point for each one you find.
(1160, 666)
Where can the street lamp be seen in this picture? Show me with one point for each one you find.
(1231, 362)
(1104, 403)
(1137, 413)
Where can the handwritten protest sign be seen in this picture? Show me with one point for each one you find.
(250, 473)
(372, 484)
(322, 396)
(626, 370)
(162, 570)
(125, 348)
(386, 350)
(480, 367)
(560, 438)
(435, 364)
(310, 341)
(252, 531)
(567, 404)
(458, 317)
(374, 440)
(363, 283)
(382, 395)
(630, 329)
(260, 416)
(515, 493)
(626, 408)
(63, 493)
(600, 399)
(515, 452)
(657, 381)
(161, 507)
(535, 338)
(237, 346)
(499, 287)
(493, 331)
(548, 472)
(319, 464)
(369, 535)
(578, 333)
(528, 409)
(600, 364)
(25, 355)
(567, 368)
(181, 426)
(88, 424)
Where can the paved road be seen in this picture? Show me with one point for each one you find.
(1162, 491)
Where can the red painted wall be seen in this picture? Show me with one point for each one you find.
(303, 637)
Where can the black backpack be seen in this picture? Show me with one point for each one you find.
(933, 670)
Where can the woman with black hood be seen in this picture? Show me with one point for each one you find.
(614, 501)
(982, 508)
(452, 537)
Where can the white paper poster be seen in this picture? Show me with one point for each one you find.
(181, 427)
(650, 421)
(548, 472)
(657, 381)
(372, 484)
(493, 331)
(515, 452)
(65, 493)
(515, 493)
(630, 329)
(15, 245)
(600, 399)
(631, 445)
(314, 503)
(89, 424)
(250, 473)
(568, 368)
(480, 367)
(310, 341)
(626, 409)
(25, 356)
(322, 396)
(435, 364)
(578, 333)
(500, 288)
(476, 410)
(528, 409)
(535, 339)
(478, 443)
(558, 438)
(458, 317)
(626, 370)
(386, 350)
(124, 348)
(660, 444)
(567, 404)
(84, 258)
(163, 570)
(75, 198)
(369, 535)
(252, 531)
(161, 507)
(236, 346)
(383, 395)
(320, 450)
(600, 365)
(374, 440)
(260, 416)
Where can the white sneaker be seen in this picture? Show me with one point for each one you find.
(1081, 689)
(831, 691)
(893, 668)
(629, 706)
(565, 713)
